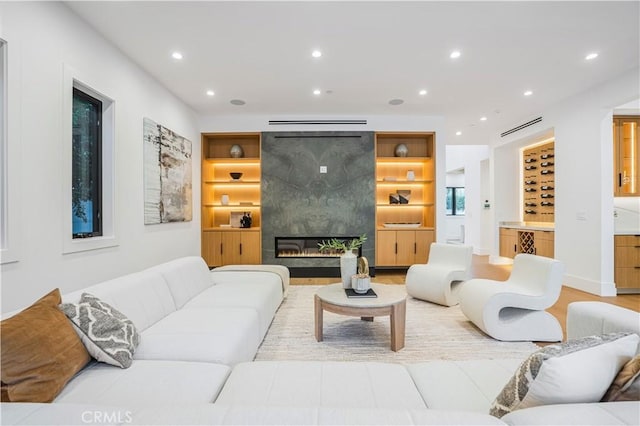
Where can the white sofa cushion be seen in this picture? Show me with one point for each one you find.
(269, 415)
(143, 297)
(575, 371)
(186, 277)
(40, 414)
(594, 318)
(264, 295)
(596, 414)
(220, 335)
(146, 383)
(462, 385)
(222, 273)
(320, 384)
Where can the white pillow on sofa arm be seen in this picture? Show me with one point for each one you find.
(576, 371)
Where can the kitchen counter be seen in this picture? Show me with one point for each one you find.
(626, 232)
(529, 226)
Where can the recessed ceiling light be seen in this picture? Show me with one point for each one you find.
(591, 56)
(396, 102)
(238, 102)
(316, 53)
(422, 92)
(317, 92)
(528, 93)
(455, 54)
(176, 55)
(458, 133)
(210, 93)
(483, 118)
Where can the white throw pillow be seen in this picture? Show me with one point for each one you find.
(576, 371)
(108, 335)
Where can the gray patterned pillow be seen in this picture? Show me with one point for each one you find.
(108, 335)
(575, 371)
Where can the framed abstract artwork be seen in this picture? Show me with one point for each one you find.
(167, 175)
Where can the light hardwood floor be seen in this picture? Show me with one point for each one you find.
(482, 269)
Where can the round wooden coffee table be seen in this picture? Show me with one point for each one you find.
(332, 298)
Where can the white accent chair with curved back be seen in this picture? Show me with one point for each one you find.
(514, 310)
(438, 280)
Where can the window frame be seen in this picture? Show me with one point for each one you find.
(96, 165)
(453, 201)
(92, 86)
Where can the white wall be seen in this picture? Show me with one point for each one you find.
(43, 39)
(470, 158)
(390, 123)
(584, 180)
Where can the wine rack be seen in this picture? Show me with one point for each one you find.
(539, 183)
(526, 241)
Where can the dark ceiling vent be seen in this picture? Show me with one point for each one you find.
(295, 122)
(522, 126)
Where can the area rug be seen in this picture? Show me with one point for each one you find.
(432, 332)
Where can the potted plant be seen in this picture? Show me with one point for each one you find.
(348, 260)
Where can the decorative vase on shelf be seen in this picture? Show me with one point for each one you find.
(348, 267)
(236, 151)
(401, 150)
(411, 175)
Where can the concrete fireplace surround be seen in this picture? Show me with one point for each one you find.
(300, 200)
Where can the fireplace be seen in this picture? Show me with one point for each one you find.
(306, 247)
(302, 205)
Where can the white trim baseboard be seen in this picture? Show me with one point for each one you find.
(594, 287)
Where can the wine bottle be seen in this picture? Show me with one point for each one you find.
(529, 190)
(547, 172)
(530, 182)
(545, 156)
(546, 164)
(529, 212)
(530, 204)
(530, 168)
(546, 203)
(546, 187)
(530, 160)
(546, 195)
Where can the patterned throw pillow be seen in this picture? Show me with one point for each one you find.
(109, 336)
(626, 386)
(575, 371)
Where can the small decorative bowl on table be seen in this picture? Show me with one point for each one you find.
(235, 175)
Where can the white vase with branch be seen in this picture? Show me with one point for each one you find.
(348, 259)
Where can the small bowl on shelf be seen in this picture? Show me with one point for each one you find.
(235, 175)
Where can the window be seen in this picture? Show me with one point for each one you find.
(86, 190)
(88, 166)
(455, 201)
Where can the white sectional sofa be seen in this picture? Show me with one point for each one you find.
(200, 331)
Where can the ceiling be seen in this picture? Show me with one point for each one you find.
(372, 52)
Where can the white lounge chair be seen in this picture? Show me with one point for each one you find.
(514, 310)
(438, 280)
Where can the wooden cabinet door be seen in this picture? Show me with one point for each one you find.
(406, 243)
(508, 242)
(424, 238)
(627, 261)
(211, 248)
(386, 248)
(230, 248)
(543, 243)
(208, 248)
(250, 248)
